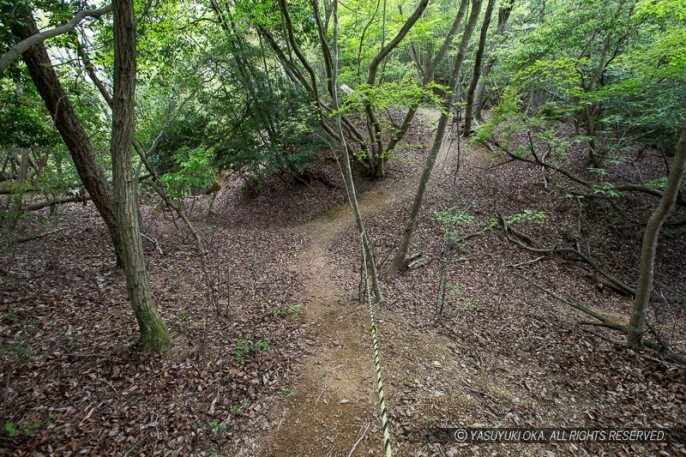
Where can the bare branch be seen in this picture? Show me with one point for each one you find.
(18, 49)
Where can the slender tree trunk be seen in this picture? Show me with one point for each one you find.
(503, 16)
(347, 168)
(21, 181)
(399, 258)
(154, 334)
(67, 122)
(155, 181)
(479, 94)
(429, 75)
(650, 239)
(378, 158)
(469, 110)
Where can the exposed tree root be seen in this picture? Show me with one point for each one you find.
(604, 321)
(526, 242)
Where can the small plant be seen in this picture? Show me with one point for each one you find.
(658, 184)
(184, 315)
(9, 318)
(292, 310)
(30, 425)
(21, 352)
(247, 346)
(450, 219)
(605, 188)
(454, 290)
(27, 426)
(288, 392)
(464, 304)
(614, 160)
(456, 293)
(218, 428)
(11, 429)
(527, 215)
(236, 409)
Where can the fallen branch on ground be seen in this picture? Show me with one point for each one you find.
(58, 201)
(24, 239)
(538, 161)
(526, 242)
(359, 440)
(154, 241)
(606, 322)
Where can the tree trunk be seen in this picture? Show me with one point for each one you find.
(347, 168)
(469, 110)
(503, 16)
(377, 159)
(479, 94)
(155, 182)
(399, 258)
(428, 76)
(154, 334)
(67, 122)
(650, 239)
(21, 181)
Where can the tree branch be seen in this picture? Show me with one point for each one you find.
(577, 179)
(18, 49)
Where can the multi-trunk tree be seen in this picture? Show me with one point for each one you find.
(117, 203)
(23, 26)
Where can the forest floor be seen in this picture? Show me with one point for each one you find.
(277, 360)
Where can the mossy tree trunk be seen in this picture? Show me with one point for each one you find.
(154, 334)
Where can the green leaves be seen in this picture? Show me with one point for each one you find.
(660, 9)
(453, 222)
(658, 184)
(247, 346)
(449, 219)
(392, 94)
(195, 172)
(10, 429)
(559, 76)
(605, 188)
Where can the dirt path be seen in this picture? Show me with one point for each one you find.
(334, 400)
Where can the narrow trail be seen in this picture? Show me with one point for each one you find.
(334, 398)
